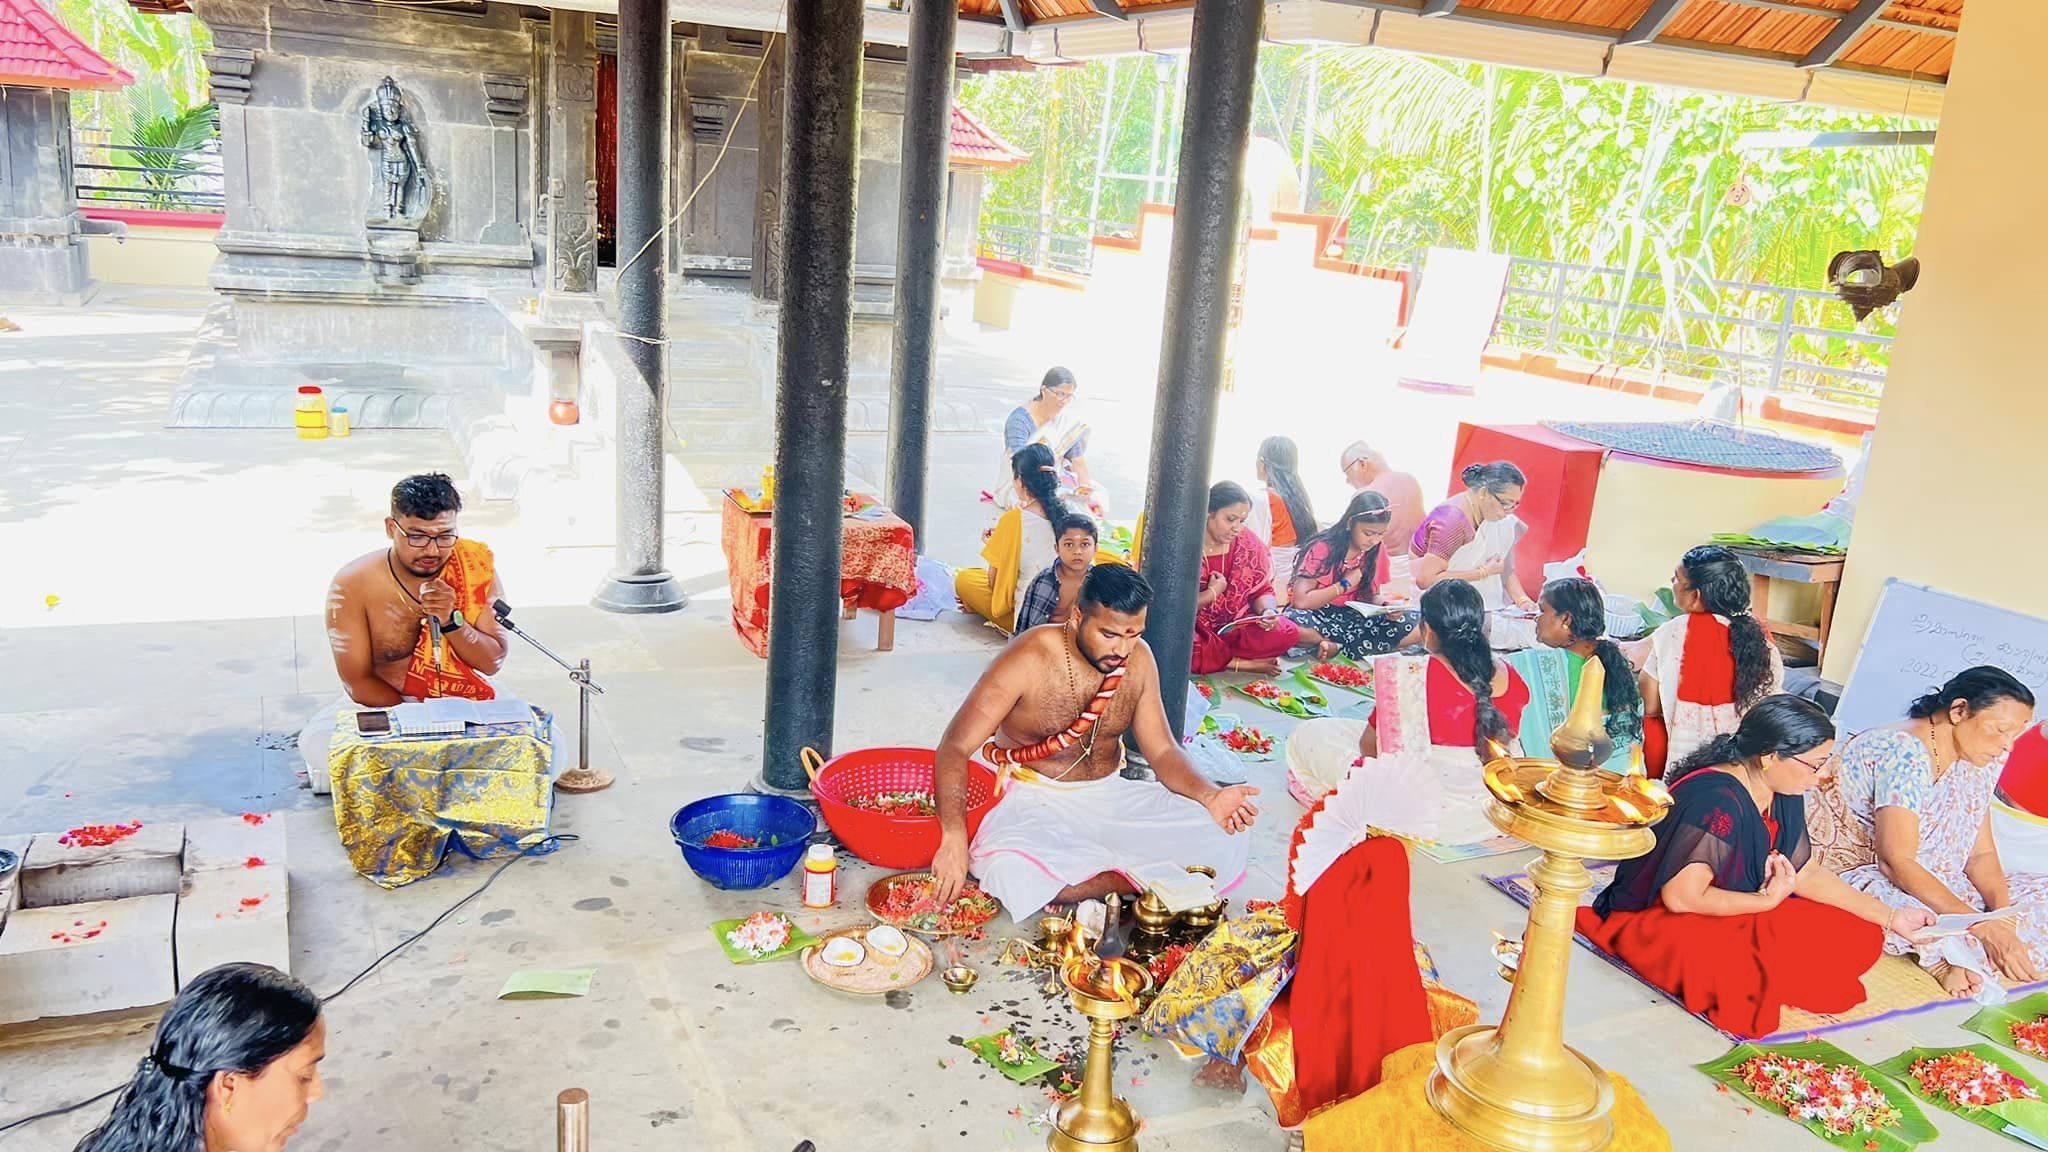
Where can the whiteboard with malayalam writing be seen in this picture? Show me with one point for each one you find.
(1921, 636)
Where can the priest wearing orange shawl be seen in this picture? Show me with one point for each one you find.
(412, 621)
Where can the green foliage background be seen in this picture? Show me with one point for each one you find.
(161, 51)
(1414, 151)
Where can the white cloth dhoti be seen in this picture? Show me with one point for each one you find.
(1046, 835)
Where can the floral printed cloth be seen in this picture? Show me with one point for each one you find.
(1887, 768)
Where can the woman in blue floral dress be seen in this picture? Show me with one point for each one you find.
(1920, 792)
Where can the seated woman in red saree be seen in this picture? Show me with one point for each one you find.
(1237, 582)
(1730, 912)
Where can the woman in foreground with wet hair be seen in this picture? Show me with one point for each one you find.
(235, 1065)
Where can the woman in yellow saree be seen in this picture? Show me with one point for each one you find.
(1020, 545)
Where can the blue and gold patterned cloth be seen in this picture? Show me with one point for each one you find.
(1218, 995)
(401, 805)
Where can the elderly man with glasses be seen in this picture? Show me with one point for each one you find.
(412, 621)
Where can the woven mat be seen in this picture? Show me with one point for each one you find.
(1704, 442)
(1894, 986)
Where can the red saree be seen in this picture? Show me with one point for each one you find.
(1357, 994)
(1741, 971)
(1247, 574)
(1737, 971)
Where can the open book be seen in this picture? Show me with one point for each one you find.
(453, 715)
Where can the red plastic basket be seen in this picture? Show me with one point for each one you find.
(883, 840)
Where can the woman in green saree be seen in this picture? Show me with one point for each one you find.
(1572, 626)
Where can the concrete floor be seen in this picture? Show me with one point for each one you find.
(183, 653)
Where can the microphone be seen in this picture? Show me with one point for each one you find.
(502, 610)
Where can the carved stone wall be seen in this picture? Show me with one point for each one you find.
(41, 256)
(292, 77)
(572, 153)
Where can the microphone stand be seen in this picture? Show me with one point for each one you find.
(582, 778)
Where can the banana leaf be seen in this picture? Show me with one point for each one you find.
(1995, 1021)
(1912, 1129)
(1657, 614)
(1295, 705)
(1365, 689)
(2023, 1120)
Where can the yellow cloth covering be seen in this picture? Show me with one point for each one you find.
(400, 805)
(1396, 1116)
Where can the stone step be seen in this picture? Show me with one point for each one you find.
(100, 956)
(144, 863)
(233, 914)
(232, 841)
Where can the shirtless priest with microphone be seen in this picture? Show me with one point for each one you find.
(412, 621)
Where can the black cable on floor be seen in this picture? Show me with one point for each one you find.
(547, 844)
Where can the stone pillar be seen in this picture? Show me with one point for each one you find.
(41, 257)
(1200, 269)
(572, 154)
(767, 257)
(505, 105)
(231, 76)
(1956, 454)
(639, 581)
(920, 225)
(820, 165)
(961, 269)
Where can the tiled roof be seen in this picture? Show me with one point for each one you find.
(974, 146)
(37, 51)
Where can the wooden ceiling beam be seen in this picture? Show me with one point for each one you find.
(1852, 24)
(1789, 8)
(1013, 15)
(1910, 26)
(1653, 21)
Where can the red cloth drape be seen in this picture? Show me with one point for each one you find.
(1656, 746)
(1706, 673)
(2025, 779)
(607, 149)
(1740, 971)
(1357, 995)
(877, 567)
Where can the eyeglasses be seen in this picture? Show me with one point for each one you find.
(443, 540)
(1060, 393)
(1820, 768)
(1505, 504)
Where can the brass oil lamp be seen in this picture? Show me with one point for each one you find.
(1097, 1119)
(1516, 1085)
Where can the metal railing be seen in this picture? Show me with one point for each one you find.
(1035, 240)
(1793, 341)
(135, 176)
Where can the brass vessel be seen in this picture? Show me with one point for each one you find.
(1154, 922)
(1204, 918)
(1516, 1085)
(1097, 1119)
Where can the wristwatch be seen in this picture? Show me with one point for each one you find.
(454, 621)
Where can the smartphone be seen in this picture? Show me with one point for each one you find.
(373, 723)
